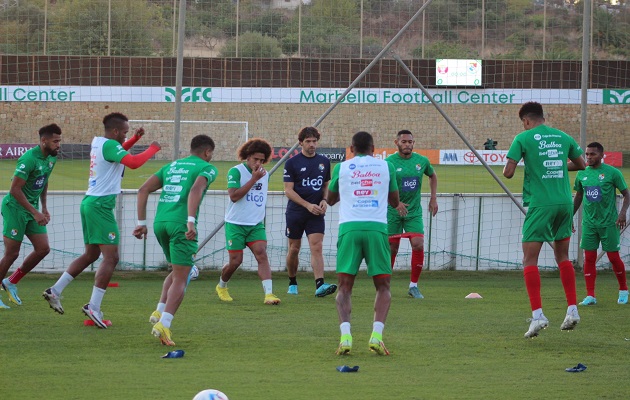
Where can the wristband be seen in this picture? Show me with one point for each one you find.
(192, 219)
(142, 222)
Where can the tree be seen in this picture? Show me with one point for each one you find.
(253, 45)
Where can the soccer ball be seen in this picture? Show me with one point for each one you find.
(194, 273)
(210, 394)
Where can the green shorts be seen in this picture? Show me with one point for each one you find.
(397, 224)
(548, 223)
(17, 222)
(172, 238)
(99, 225)
(354, 246)
(609, 237)
(238, 236)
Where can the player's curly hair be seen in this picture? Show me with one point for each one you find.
(255, 145)
(201, 143)
(362, 142)
(308, 132)
(532, 110)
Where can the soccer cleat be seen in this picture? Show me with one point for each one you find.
(162, 333)
(96, 316)
(3, 306)
(345, 345)
(325, 289)
(271, 299)
(292, 289)
(536, 326)
(623, 297)
(415, 293)
(589, 301)
(377, 346)
(11, 290)
(223, 293)
(53, 300)
(155, 317)
(570, 321)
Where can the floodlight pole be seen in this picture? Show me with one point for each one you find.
(179, 77)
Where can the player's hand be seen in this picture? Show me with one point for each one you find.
(156, 144)
(46, 214)
(315, 209)
(433, 207)
(139, 132)
(621, 221)
(140, 232)
(191, 233)
(324, 206)
(40, 218)
(259, 173)
(402, 209)
(572, 227)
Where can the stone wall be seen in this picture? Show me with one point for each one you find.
(279, 123)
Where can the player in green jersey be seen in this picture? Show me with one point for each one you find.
(601, 222)
(20, 209)
(405, 221)
(184, 183)
(547, 192)
(108, 158)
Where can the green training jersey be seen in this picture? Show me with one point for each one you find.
(599, 201)
(177, 180)
(409, 172)
(545, 151)
(35, 168)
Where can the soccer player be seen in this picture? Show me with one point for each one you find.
(547, 192)
(108, 159)
(248, 184)
(363, 186)
(600, 221)
(20, 209)
(184, 183)
(406, 220)
(306, 178)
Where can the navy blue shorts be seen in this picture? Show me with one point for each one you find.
(298, 223)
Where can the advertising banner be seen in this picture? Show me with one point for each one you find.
(11, 150)
(499, 157)
(334, 154)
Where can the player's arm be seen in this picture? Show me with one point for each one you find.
(393, 197)
(433, 205)
(294, 197)
(332, 195)
(194, 200)
(323, 204)
(238, 193)
(576, 164)
(43, 198)
(134, 139)
(151, 185)
(621, 220)
(510, 168)
(577, 200)
(16, 191)
(139, 160)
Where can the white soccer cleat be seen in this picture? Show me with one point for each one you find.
(570, 321)
(536, 325)
(53, 300)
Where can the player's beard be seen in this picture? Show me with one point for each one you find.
(405, 151)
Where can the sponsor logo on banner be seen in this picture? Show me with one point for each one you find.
(614, 158)
(190, 95)
(467, 157)
(14, 150)
(616, 96)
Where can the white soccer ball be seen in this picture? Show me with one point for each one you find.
(194, 273)
(210, 394)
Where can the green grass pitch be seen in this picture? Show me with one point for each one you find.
(442, 347)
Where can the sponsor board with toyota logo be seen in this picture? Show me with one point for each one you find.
(499, 157)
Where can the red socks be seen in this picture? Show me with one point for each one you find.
(417, 261)
(618, 268)
(532, 283)
(567, 276)
(590, 271)
(18, 274)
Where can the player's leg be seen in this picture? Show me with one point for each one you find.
(160, 230)
(562, 226)
(235, 243)
(376, 258)
(535, 230)
(101, 280)
(611, 242)
(259, 249)
(590, 243)
(40, 250)
(315, 228)
(11, 253)
(416, 239)
(394, 230)
(349, 257)
(293, 263)
(174, 298)
(294, 232)
(155, 315)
